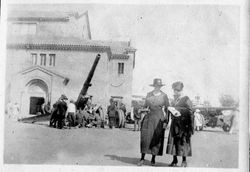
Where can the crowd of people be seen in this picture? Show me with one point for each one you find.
(66, 115)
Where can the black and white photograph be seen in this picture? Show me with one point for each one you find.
(123, 85)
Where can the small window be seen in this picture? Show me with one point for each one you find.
(43, 59)
(52, 59)
(34, 58)
(120, 68)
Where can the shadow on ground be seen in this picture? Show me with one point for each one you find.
(134, 161)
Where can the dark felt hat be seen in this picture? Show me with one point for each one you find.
(177, 86)
(63, 97)
(157, 82)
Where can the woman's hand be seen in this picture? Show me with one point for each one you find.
(174, 112)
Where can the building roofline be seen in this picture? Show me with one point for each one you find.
(44, 70)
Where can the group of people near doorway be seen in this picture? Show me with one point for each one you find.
(65, 115)
(159, 113)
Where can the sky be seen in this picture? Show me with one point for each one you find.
(195, 44)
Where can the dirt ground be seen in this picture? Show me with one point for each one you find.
(40, 144)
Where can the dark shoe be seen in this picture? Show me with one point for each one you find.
(184, 164)
(173, 164)
(152, 163)
(140, 163)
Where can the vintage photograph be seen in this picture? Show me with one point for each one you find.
(122, 85)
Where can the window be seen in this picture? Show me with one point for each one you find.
(34, 58)
(43, 59)
(24, 28)
(52, 59)
(120, 68)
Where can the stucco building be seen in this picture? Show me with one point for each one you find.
(51, 53)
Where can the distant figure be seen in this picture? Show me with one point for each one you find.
(198, 120)
(79, 120)
(152, 130)
(233, 120)
(62, 108)
(137, 116)
(16, 111)
(9, 109)
(111, 111)
(123, 108)
(54, 116)
(101, 113)
(71, 113)
(47, 109)
(59, 112)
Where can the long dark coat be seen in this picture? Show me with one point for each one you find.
(181, 129)
(152, 131)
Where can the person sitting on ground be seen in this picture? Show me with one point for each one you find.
(95, 120)
(79, 120)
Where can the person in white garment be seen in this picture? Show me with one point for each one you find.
(9, 109)
(71, 113)
(16, 111)
(198, 120)
(234, 114)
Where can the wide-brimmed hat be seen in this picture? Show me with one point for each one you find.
(157, 82)
(177, 86)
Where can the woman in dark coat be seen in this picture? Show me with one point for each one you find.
(182, 126)
(152, 131)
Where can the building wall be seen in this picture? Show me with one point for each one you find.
(121, 84)
(74, 65)
(72, 28)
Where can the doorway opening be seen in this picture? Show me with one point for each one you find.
(36, 105)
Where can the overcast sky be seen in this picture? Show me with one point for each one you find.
(198, 45)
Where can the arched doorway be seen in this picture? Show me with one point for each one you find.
(37, 93)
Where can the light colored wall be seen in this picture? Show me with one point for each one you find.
(73, 28)
(121, 85)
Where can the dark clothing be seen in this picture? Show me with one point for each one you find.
(61, 111)
(71, 119)
(112, 121)
(53, 118)
(152, 131)
(112, 114)
(181, 129)
(79, 119)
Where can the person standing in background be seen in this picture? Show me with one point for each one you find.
(198, 121)
(111, 111)
(71, 113)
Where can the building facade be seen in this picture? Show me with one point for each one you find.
(51, 53)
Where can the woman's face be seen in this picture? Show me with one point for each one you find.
(157, 88)
(177, 93)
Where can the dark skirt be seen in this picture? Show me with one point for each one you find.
(178, 144)
(152, 135)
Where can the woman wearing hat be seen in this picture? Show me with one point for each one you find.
(181, 128)
(152, 131)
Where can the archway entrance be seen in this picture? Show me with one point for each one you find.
(37, 94)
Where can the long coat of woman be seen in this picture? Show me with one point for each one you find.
(181, 129)
(152, 131)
